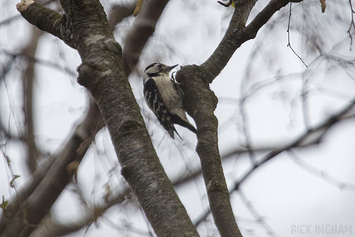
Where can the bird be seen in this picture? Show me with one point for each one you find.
(164, 97)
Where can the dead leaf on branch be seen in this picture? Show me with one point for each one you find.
(323, 5)
(138, 7)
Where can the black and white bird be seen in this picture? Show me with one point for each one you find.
(164, 97)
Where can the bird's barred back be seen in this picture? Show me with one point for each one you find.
(165, 98)
(155, 103)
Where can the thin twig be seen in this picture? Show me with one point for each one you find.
(320, 173)
(12, 172)
(256, 215)
(246, 132)
(40, 61)
(288, 37)
(352, 23)
(312, 136)
(304, 101)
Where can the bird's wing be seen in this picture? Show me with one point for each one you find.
(156, 104)
(178, 114)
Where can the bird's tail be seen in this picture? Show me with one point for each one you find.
(171, 133)
(176, 119)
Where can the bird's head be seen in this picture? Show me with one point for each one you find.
(155, 69)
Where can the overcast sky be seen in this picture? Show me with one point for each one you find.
(295, 194)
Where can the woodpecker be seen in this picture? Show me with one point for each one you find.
(164, 97)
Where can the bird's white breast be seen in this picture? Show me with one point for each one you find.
(170, 96)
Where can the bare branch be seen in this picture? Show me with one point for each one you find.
(46, 19)
(230, 42)
(289, 38)
(352, 23)
(24, 192)
(28, 78)
(118, 13)
(9, 20)
(237, 33)
(24, 56)
(142, 29)
(51, 227)
(256, 215)
(16, 17)
(101, 72)
(264, 16)
(207, 147)
(319, 173)
(311, 136)
(41, 192)
(194, 79)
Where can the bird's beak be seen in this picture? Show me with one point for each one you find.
(168, 69)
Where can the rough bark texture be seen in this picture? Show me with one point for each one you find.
(140, 164)
(46, 19)
(207, 147)
(84, 27)
(200, 102)
(237, 33)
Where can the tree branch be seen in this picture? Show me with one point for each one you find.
(119, 12)
(13, 206)
(237, 33)
(46, 20)
(232, 40)
(28, 78)
(200, 102)
(311, 136)
(101, 72)
(50, 227)
(41, 192)
(191, 79)
(142, 29)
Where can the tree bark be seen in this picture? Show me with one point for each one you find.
(84, 27)
(207, 147)
(28, 79)
(200, 102)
